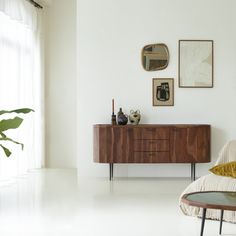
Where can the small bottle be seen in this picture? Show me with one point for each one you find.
(120, 112)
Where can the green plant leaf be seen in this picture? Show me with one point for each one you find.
(6, 150)
(22, 110)
(13, 141)
(3, 135)
(10, 123)
(14, 123)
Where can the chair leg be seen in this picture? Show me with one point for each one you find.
(203, 221)
(221, 220)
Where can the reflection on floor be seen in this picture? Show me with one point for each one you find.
(55, 202)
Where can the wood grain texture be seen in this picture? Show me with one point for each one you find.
(151, 132)
(147, 145)
(113, 144)
(152, 143)
(190, 144)
(152, 157)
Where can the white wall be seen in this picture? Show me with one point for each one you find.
(111, 35)
(60, 44)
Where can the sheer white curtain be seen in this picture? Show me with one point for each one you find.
(21, 84)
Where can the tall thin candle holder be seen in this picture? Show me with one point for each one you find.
(113, 116)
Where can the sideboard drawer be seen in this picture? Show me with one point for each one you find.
(152, 133)
(152, 157)
(151, 145)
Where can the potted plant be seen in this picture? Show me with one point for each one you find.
(7, 124)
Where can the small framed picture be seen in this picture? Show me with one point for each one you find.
(196, 63)
(163, 92)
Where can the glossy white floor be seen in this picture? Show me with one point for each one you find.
(55, 202)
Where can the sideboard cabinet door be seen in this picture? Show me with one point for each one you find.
(113, 144)
(190, 144)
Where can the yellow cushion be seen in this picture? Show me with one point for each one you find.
(227, 169)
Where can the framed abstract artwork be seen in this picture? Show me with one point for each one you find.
(163, 92)
(196, 63)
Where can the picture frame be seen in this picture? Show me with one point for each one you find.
(163, 92)
(196, 63)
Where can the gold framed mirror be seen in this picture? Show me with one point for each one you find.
(155, 57)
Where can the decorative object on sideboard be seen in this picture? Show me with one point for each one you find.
(196, 63)
(163, 92)
(122, 118)
(155, 57)
(134, 117)
(113, 116)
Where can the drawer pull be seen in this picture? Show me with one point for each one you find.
(176, 130)
(151, 145)
(152, 142)
(151, 154)
(151, 129)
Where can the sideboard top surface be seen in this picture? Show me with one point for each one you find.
(151, 125)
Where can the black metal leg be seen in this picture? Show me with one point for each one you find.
(111, 171)
(193, 170)
(221, 220)
(203, 220)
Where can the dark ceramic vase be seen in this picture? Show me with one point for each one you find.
(122, 119)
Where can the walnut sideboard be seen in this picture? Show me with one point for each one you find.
(185, 143)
